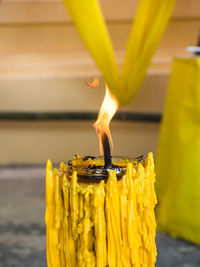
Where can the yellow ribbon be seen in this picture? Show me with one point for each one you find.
(148, 26)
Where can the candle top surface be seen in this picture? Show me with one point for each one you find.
(90, 168)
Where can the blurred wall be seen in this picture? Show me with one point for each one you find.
(43, 65)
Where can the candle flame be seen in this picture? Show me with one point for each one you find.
(106, 113)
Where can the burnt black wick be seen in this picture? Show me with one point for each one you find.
(106, 150)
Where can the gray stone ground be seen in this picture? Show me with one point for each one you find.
(22, 228)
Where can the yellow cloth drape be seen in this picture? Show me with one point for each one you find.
(147, 29)
(178, 154)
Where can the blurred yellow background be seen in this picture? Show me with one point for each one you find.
(43, 66)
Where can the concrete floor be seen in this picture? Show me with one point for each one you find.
(22, 228)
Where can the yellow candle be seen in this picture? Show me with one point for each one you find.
(103, 224)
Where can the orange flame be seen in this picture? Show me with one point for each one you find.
(106, 113)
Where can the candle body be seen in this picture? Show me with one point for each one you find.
(106, 224)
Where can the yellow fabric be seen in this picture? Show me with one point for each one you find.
(178, 154)
(105, 224)
(147, 29)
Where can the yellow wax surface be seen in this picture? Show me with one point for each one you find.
(105, 224)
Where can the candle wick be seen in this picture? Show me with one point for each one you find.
(106, 150)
